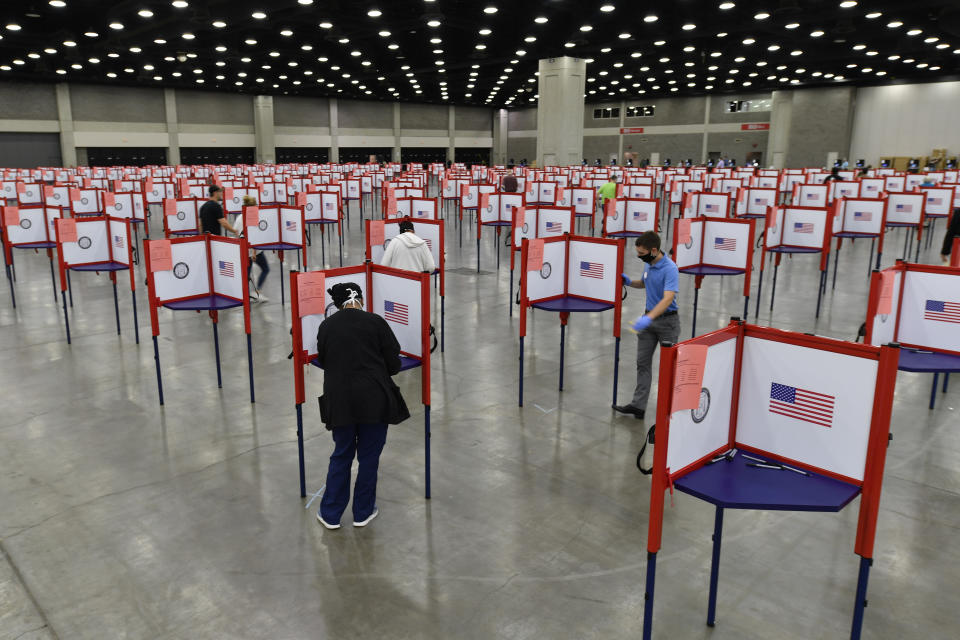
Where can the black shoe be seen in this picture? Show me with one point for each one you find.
(629, 409)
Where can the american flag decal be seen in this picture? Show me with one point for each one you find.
(553, 228)
(581, 200)
(801, 404)
(422, 213)
(759, 201)
(935, 200)
(904, 208)
(941, 311)
(725, 244)
(118, 242)
(591, 269)
(640, 215)
(290, 225)
(803, 227)
(809, 195)
(225, 268)
(863, 216)
(711, 208)
(429, 243)
(395, 312)
(328, 205)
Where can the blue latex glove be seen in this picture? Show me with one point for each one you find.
(626, 279)
(641, 323)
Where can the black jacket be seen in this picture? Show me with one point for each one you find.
(953, 231)
(358, 353)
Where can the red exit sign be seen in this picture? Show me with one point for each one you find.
(631, 129)
(755, 126)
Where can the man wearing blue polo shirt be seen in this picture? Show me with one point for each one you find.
(660, 322)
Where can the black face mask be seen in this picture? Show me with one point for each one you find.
(648, 258)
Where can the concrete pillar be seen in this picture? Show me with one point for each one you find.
(501, 129)
(68, 145)
(263, 129)
(173, 126)
(396, 132)
(623, 116)
(706, 126)
(334, 131)
(560, 111)
(452, 133)
(781, 116)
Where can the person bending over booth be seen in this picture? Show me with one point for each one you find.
(358, 353)
(607, 190)
(953, 231)
(409, 251)
(660, 322)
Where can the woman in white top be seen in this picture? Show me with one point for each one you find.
(409, 251)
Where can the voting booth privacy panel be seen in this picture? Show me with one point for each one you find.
(754, 418)
(430, 230)
(402, 298)
(571, 274)
(199, 273)
(181, 216)
(630, 217)
(31, 227)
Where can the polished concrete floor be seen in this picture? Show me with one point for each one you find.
(122, 519)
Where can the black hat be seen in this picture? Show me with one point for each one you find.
(345, 291)
(406, 225)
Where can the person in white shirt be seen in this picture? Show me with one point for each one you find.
(409, 251)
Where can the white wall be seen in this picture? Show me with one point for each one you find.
(906, 120)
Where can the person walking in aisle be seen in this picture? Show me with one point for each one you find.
(212, 217)
(358, 353)
(258, 258)
(608, 190)
(660, 322)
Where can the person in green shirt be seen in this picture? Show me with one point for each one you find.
(608, 191)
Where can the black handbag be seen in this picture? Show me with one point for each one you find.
(398, 406)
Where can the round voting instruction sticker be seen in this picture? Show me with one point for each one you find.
(263, 225)
(25, 223)
(84, 200)
(883, 317)
(700, 412)
(181, 270)
(118, 207)
(181, 215)
(309, 206)
(525, 228)
(689, 243)
(84, 242)
(546, 270)
(56, 196)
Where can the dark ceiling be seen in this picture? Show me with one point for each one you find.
(440, 51)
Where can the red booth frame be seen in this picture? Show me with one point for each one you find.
(49, 244)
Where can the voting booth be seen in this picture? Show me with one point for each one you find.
(796, 230)
(402, 298)
(496, 211)
(28, 228)
(710, 247)
(96, 244)
(858, 218)
(630, 217)
(200, 273)
(322, 208)
(571, 274)
(918, 307)
(752, 202)
(536, 222)
(380, 233)
(181, 216)
(584, 199)
(707, 204)
(276, 228)
(906, 210)
(810, 195)
(740, 430)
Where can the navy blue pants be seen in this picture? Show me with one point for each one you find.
(366, 442)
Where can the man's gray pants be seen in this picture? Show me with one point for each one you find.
(662, 329)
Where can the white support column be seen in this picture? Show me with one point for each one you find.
(501, 129)
(334, 131)
(396, 132)
(706, 126)
(173, 126)
(781, 116)
(560, 111)
(623, 115)
(68, 145)
(452, 132)
(263, 129)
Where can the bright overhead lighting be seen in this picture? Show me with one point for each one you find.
(875, 14)
(250, 41)
(586, 27)
(914, 32)
(569, 45)
(650, 18)
(116, 26)
(50, 51)
(433, 23)
(931, 39)
(792, 25)
(773, 47)
(69, 43)
(894, 24)
(846, 4)
(748, 41)
(188, 36)
(180, 4)
(530, 39)
(326, 25)
(490, 10)
(91, 34)
(286, 32)
(816, 34)
(305, 1)
(384, 34)
(859, 47)
(727, 5)
(57, 3)
(484, 32)
(796, 52)
(145, 13)
(219, 24)
(374, 13)
(258, 15)
(689, 26)
(659, 43)
(624, 36)
(393, 47)
(763, 15)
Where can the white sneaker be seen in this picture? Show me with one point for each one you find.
(364, 523)
(327, 524)
(262, 298)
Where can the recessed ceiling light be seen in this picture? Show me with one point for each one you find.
(145, 13)
(914, 32)
(875, 14)
(689, 26)
(374, 13)
(484, 32)
(763, 15)
(13, 27)
(305, 1)
(69, 43)
(586, 27)
(569, 45)
(659, 43)
(250, 41)
(490, 10)
(894, 24)
(393, 47)
(816, 34)
(796, 52)
(624, 36)
(930, 39)
(326, 25)
(433, 23)
(57, 3)
(50, 51)
(180, 4)
(116, 26)
(727, 5)
(91, 34)
(792, 25)
(846, 4)
(748, 41)
(530, 39)
(650, 18)
(689, 48)
(219, 24)
(773, 47)
(286, 33)
(258, 15)
(188, 36)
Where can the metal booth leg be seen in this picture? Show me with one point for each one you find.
(648, 595)
(715, 567)
(933, 389)
(156, 359)
(861, 602)
(426, 447)
(303, 483)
